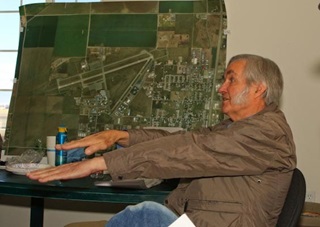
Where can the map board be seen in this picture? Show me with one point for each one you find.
(116, 65)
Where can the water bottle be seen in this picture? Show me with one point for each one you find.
(61, 138)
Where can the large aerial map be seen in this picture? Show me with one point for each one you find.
(116, 65)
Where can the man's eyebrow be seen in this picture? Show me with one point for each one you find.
(230, 71)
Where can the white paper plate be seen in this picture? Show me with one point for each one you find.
(23, 168)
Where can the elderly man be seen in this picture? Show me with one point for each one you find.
(236, 173)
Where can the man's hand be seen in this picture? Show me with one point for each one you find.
(69, 171)
(97, 142)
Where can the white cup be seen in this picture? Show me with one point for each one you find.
(51, 150)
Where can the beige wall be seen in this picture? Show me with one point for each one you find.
(14, 211)
(286, 31)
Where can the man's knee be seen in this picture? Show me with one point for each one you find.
(147, 205)
(144, 214)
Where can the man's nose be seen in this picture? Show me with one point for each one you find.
(222, 88)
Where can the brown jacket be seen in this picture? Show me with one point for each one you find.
(232, 174)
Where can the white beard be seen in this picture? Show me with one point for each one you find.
(241, 98)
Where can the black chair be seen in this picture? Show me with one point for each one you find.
(293, 205)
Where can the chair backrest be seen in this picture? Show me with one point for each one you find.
(294, 202)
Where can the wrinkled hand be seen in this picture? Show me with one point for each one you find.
(97, 142)
(69, 171)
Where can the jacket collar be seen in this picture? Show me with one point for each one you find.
(269, 108)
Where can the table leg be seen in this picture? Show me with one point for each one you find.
(36, 215)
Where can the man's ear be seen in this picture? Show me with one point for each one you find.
(260, 89)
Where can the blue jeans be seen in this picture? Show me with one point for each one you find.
(144, 214)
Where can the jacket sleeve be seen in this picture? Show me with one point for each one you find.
(142, 135)
(251, 146)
